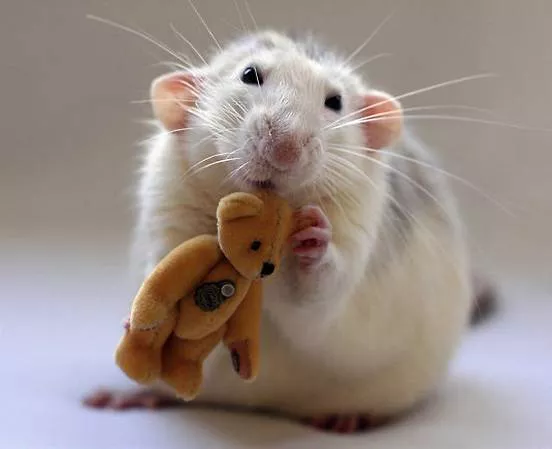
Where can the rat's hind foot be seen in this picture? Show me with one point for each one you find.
(141, 398)
(344, 423)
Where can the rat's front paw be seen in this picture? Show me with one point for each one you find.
(312, 237)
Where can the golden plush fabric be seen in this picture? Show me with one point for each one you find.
(204, 291)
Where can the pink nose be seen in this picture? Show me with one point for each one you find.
(285, 153)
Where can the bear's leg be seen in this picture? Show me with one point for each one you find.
(183, 362)
(243, 334)
(139, 351)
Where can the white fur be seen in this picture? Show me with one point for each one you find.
(356, 334)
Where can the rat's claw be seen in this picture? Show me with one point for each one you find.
(311, 216)
(310, 242)
(343, 423)
(146, 399)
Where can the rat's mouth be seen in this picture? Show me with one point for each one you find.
(266, 184)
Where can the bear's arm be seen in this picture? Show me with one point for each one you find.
(173, 278)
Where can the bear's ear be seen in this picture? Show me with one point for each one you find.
(238, 205)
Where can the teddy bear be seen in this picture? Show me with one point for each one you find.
(207, 290)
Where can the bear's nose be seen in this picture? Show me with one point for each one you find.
(267, 269)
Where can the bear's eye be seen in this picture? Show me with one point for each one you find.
(256, 245)
(252, 75)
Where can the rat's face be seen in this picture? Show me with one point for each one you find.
(281, 103)
(273, 110)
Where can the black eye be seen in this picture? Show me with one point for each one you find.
(333, 102)
(252, 75)
(256, 245)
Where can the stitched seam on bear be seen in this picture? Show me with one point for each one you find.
(149, 327)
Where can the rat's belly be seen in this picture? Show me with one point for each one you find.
(366, 370)
(212, 303)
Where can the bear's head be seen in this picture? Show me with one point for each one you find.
(253, 230)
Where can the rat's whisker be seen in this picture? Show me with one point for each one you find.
(239, 105)
(240, 16)
(192, 46)
(346, 164)
(202, 141)
(463, 107)
(192, 87)
(369, 60)
(230, 111)
(211, 120)
(369, 38)
(202, 115)
(337, 184)
(407, 213)
(439, 170)
(163, 100)
(397, 171)
(212, 164)
(343, 164)
(476, 120)
(213, 133)
(172, 66)
(396, 114)
(330, 193)
(414, 92)
(340, 178)
(143, 35)
(237, 29)
(165, 133)
(250, 13)
(233, 175)
(457, 118)
(208, 158)
(200, 17)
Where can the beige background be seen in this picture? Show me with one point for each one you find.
(69, 129)
(67, 162)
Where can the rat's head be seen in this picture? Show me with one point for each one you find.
(253, 230)
(276, 110)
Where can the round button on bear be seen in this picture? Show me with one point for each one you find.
(227, 289)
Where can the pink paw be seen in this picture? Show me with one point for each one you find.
(150, 399)
(310, 242)
(339, 423)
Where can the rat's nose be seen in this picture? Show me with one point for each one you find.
(285, 153)
(267, 269)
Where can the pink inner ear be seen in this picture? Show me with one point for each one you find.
(172, 95)
(386, 120)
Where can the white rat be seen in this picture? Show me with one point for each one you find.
(361, 322)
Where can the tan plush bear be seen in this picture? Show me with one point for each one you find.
(204, 291)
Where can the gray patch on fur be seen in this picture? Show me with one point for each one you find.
(415, 194)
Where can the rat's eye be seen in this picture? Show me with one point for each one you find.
(333, 102)
(256, 245)
(252, 75)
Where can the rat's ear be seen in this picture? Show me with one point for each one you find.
(172, 95)
(238, 205)
(387, 118)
